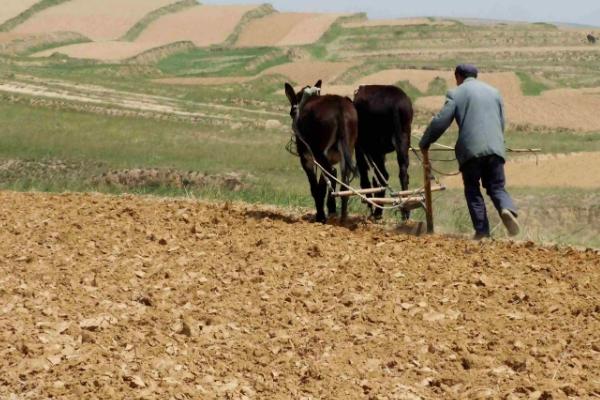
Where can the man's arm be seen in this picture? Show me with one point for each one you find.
(502, 114)
(439, 124)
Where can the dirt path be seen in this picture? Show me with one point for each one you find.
(127, 297)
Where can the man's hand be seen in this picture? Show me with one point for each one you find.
(424, 148)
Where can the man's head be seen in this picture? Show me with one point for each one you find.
(464, 71)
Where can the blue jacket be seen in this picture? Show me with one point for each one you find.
(479, 112)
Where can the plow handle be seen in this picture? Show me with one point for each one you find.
(427, 186)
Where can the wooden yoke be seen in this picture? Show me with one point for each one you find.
(427, 186)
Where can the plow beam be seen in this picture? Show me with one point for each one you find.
(347, 193)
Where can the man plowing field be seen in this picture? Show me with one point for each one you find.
(479, 112)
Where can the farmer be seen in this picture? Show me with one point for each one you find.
(479, 112)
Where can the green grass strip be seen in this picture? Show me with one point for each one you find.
(529, 86)
(30, 12)
(259, 12)
(152, 16)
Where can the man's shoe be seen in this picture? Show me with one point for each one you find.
(510, 222)
(481, 236)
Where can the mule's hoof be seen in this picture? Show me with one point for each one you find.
(321, 219)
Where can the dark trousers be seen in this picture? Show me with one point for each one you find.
(488, 170)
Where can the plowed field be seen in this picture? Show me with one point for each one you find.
(203, 25)
(96, 19)
(128, 297)
(105, 51)
(286, 29)
(12, 8)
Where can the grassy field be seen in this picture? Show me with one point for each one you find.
(57, 145)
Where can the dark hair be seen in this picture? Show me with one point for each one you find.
(466, 71)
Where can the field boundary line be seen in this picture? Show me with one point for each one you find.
(136, 30)
(30, 12)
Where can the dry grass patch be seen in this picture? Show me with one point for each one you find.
(96, 19)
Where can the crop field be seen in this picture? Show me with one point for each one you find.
(12, 8)
(95, 19)
(156, 238)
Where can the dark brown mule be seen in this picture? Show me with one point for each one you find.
(591, 39)
(326, 129)
(385, 115)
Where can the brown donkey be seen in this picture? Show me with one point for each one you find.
(326, 129)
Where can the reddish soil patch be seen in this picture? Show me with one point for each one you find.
(127, 297)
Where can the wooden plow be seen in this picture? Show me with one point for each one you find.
(406, 200)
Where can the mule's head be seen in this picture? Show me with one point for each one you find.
(298, 99)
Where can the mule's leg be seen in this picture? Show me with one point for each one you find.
(331, 207)
(346, 180)
(402, 150)
(315, 189)
(383, 176)
(363, 171)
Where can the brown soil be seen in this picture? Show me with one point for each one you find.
(127, 297)
(203, 25)
(309, 30)
(561, 170)
(308, 72)
(285, 29)
(96, 19)
(12, 8)
(105, 51)
(17, 43)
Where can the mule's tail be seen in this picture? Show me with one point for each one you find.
(402, 119)
(347, 164)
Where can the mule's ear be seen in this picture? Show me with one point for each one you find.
(291, 95)
(319, 83)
